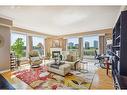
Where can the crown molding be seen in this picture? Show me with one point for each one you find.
(6, 22)
(29, 32)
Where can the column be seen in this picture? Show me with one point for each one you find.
(102, 44)
(81, 47)
(29, 45)
(64, 44)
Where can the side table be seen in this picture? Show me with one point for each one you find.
(84, 69)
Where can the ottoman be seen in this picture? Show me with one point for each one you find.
(62, 70)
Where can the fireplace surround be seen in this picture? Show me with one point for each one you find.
(55, 52)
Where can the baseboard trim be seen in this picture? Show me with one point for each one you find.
(4, 71)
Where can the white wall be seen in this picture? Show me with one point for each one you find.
(5, 50)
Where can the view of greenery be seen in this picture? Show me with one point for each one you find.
(19, 44)
(90, 44)
(18, 47)
(90, 51)
(72, 47)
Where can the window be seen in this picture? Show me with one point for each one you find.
(73, 46)
(90, 44)
(18, 44)
(38, 44)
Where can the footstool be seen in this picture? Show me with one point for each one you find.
(62, 70)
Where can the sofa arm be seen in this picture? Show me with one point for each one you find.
(72, 64)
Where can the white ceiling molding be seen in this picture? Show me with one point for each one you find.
(28, 34)
(101, 34)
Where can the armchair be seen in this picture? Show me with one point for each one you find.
(35, 59)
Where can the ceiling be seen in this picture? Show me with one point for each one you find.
(61, 20)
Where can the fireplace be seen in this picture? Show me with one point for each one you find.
(55, 52)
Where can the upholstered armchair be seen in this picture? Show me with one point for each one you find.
(35, 59)
(71, 57)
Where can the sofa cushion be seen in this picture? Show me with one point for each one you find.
(71, 58)
(35, 58)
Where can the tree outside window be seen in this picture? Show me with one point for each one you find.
(18, 44)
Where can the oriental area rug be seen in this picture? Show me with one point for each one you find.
(42, 79)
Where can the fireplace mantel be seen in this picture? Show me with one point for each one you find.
(55, 49)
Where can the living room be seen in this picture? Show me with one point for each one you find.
(74, 53)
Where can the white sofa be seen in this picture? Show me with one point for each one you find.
(70, 63)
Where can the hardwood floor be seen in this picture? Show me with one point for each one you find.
(14, 81)
(100, 80)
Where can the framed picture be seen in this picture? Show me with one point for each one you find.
(55, 43)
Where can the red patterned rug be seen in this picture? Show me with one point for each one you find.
(31, 75)
(32, 78)
(39, 78)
